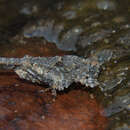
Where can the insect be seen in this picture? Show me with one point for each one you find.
(58, 71)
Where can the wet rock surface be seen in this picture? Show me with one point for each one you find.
(85, 28)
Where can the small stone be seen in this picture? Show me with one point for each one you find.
(42, 117)
(91, 96)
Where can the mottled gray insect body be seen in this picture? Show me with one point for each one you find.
(59, 71)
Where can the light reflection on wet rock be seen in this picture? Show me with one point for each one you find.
(69, 40)
(118, 104)
(44, 29)
(110, 84)
(69, 14)
(51, 32)
(118, 98)
(113, 78)
(88, 40)
(125, 39)
(106, 5)
(123, 127)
